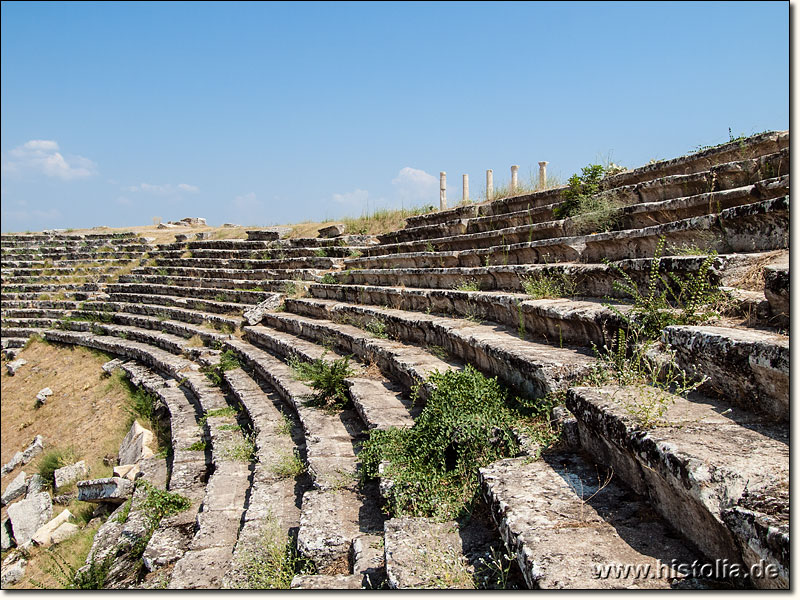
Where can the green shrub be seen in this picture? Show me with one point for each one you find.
(579, 189)
(52, 460)
(433, 466)
(327, 378)
(550, 285)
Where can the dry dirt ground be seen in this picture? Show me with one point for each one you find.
(86, 414)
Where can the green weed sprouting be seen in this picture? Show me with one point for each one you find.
(579, 189)
(550, 285)
(327, 378)
(433, 466)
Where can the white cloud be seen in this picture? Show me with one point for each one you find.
(415, 184)
(43, 157)
(163, 189)
(246, 201)
(355, 198)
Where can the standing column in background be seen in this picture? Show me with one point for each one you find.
(465, 192)
(542, 174)
(489, 184)
(442, 190)
(514, 171)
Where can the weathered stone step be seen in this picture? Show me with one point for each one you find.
(717, 474)
(594, 280)
(70, 265)
(217, 294)
(33, 313)
(308, 262)
(632, 216)
(222, 273)
(276, 491)
(570, 321)
(59, 305)
(164, 312)
(776, 289)
(747, 367)
(48, 287)
(329, 436)
(404, 363)
(760, 226)
(177, 328)
(565, 521)
(19, 332)
(333, 514)
(423, 554)
(535, 369)
(14, 342)
(189, 471)
(245, 285)
(342, 240)
(161, 360)
(376, 400)
(232, 309)
(380, 404)
(25, 323)
(166, 341)
(204, 250)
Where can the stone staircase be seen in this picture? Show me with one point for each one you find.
(705, 481)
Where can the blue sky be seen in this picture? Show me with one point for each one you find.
(272, 113)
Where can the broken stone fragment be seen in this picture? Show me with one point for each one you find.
(5, 534)
(270, 303)
(34, 450)
(12, 464)
(35, 485)
(41, 397)
(15, 489)
(136, 445)
(112, 365)
(63, 532)
(333, 230)
(13, 573)
(28, 515)
(70, 473)
(14, 365)
(43, 535)
(109, 489)
(126, 471)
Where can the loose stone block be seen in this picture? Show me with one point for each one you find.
(136, 445)
(330, 231)
(70, 473)
(15, 489)
(109, 489)
(28, 515)
(43, 535)
(14, 365)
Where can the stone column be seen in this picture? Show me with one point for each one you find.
(489, 184)
(514, 171)
(542, 174)
(442, 190)
(465, 185)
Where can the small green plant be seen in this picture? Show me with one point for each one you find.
(429, 247)
(70, 578)
(329, 279)
(198, 446)
(327, 378)
(52, 460)
(579, 187)
(467, 285)
(556, 284)
(242, 450)
(285, 426)
(377, 327)
(670, 299)
(270, 562)
(289, 466)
